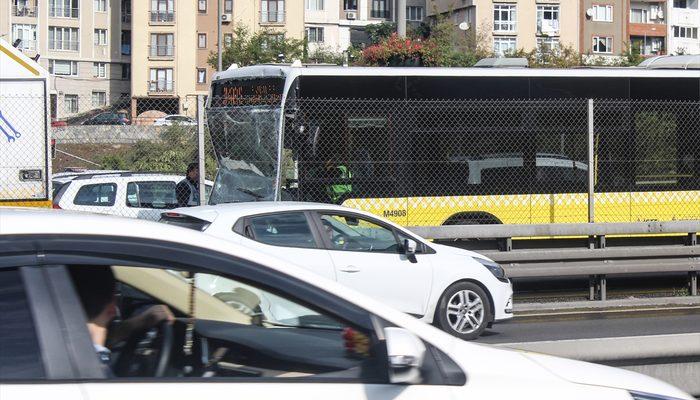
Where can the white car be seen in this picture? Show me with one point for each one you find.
(175, 119)
(334, 343)
(127, 194)
(460, 291)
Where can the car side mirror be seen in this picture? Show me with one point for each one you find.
(406, 353)
(409, 247)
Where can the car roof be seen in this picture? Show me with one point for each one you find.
(135, 177)
(238, 210)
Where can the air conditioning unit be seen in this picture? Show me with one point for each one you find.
(226, 18)
(350, 15)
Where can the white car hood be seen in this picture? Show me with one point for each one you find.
(457, 251)
(600, 375)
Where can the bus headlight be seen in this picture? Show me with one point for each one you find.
(495, 268)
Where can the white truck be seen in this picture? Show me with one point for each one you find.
(25, 162)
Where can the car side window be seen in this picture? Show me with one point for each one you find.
(287, 229)
(20, 355)
(153, 194)
(102, 194)
(351, 233)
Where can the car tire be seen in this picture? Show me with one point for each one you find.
(464, 310)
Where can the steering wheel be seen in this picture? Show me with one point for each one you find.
(135, 352)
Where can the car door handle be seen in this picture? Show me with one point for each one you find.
(350, 269)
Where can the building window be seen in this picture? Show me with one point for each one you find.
(161, 80)
(61, 38)
(639, 16)
(162, 45)
(414, 13)
(228, 6)
(126, 11)
(201, 75)
(602, 44)
(63, 8)
(27, 34)
(126, 71)
(63, 67)
(271, 38)
(228, 39)
(71, 103)
(314, 34)
(503, 45)
(685, 32)
(547, 44)
(680, 3)
(100, 37)
(126, 43)
(99, 99)
(602, 13)
(202, 6)
(162, 11)
(350, 5)
(380, 9)
(99, 70)
(272, 11)
(314, 5)
(504, 18)
(101, 5)
(547, 19)
(202, 40)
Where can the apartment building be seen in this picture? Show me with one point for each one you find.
(79, 43)
(334, 25)
(647, 27)
(508, 25)
(173, 40)
(683, 27)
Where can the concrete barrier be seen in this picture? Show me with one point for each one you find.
(105, 134)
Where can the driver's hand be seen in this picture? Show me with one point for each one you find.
(155, 315)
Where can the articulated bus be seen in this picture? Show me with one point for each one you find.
(434, 146)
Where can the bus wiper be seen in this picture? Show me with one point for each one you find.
(257, 196)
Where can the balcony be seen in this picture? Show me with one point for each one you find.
(64, 45)
(126, 18)
(24, 11)
(384, 14)
(548, 27)
(161, 87)
(272, 17)
(161, 52)
(63, 12)
(162, 17)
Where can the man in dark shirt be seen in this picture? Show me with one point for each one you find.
(187, 190)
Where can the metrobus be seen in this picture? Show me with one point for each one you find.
(433, 146)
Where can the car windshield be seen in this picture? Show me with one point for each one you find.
(249, 305)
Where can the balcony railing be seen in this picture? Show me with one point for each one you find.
(161, 87)
(380, 14)
(126, 18)
(63, 12)
(161, 51)
(272, 17)
(24, 11)
(69, 45)
(27, 45)
(162, 17)
(548, 27)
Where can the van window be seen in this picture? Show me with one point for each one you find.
(154, 194)
(102, 194)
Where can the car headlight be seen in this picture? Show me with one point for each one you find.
(650, 396)
(495, 268)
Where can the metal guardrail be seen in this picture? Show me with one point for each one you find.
(596, 261)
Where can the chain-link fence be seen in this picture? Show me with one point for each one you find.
(417, 162)
(430, 162)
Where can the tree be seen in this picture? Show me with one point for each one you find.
(380, 32)
(258, 48)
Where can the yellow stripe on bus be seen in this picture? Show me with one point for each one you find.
(27, 203)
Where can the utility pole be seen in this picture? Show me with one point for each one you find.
(401, 18)
(219, 36)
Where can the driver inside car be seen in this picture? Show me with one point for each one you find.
(96, 287)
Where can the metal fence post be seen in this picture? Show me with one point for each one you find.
(591, 163)
(200, 149)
